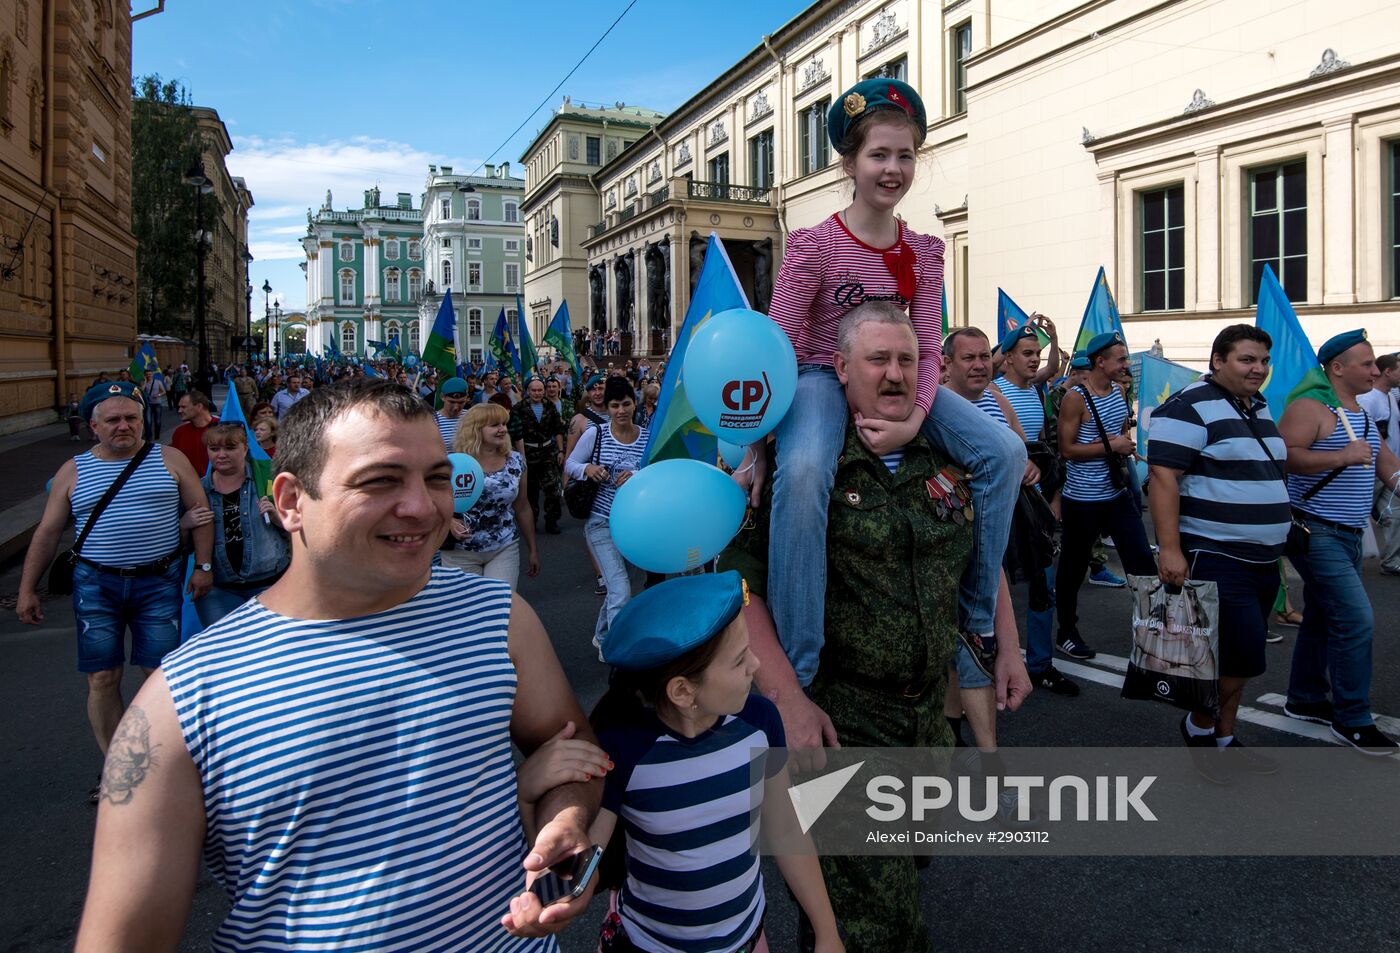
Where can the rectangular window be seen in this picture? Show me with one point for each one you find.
(476, 355)
(391, 285)
(473, 276)
(894, 69)
(347, 251)
(761, 159)
(1278, 228)
(719, 169)
(814, 149)
(447, 243)
(474, 244)
(474, 210)
(1162, 249)
(347, 287)
(415, 284)
(446, 207)
(513, 245)
(512, 212)
(446, 273)
(961, 38)
(594, 150)
(512, 277)
(391, 249)
(473, 320)
(415, 250)
(1395, 220)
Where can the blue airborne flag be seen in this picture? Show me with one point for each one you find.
(1100, 314)
(1011, 316)
(561, 337)
(1292, 355)
(1158, 380)
(502, 345)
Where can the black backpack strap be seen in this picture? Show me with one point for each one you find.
(111, 493)
(1094, 412)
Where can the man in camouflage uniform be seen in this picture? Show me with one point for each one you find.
(554, 394)
(895, 553)
(537, 431)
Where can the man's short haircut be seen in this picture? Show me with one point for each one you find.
(963, 332)
(200, 398)
(1228, 337)
(1387, 362)
(881, 312)
(301, 447)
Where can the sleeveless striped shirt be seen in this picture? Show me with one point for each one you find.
(447, 426)
(1030, 410)
(1347, 499)
(358, 784)
(616, 457)
(141, 525)
(988, 405)
(1087, 480)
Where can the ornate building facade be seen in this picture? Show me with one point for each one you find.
(67, 255)
(365, 274)
(474, 243)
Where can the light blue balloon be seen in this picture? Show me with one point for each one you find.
(467, 481)
(740, 375)
(675, 515)
(731, 453)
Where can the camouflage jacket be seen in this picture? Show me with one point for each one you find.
(524, 426)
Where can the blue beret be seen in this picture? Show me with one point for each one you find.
(1101, 342)
(1015, 336)
(595, 379)
(1079, 362)
(97, 393)
(666, 621)
(1342, 342)
(867, 95)
(454, 385)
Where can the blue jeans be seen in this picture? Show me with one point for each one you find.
(613, 567)
(217, 603)
(1082, 523)
(809, 440)
(1040, 625)
(106, 606)
(1335, 635)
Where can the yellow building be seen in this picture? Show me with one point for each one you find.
(1181, 145)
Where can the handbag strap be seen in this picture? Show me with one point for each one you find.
(111, 493)
(1108, 451)
(598, 445)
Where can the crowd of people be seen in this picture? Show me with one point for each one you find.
(338, 739)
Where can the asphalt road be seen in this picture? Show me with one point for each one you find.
(973, 903)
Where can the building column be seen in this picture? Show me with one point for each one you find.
(1108, 225)
(329, 259)
(372, 294)
(1207, 229)
(1338, 212)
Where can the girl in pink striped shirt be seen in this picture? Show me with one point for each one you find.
(864, 253)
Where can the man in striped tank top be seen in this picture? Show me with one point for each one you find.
(1335, 455)
(130, 570)
(1096, 500)
(1022, 378)
(349, 730)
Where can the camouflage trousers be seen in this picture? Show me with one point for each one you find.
(544, 478)
(876, 899)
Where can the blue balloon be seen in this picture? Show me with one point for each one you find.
(731, 453)
(740, 375)
(467, 481)
(676, 515)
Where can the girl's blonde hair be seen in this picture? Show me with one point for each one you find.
(481, 416)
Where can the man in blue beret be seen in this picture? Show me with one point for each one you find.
(1383, 403)
(130, 561)
(449, 415)
(1335, 455)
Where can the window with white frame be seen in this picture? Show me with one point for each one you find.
(391, 284)
(447, 244)
(761, 159)
(894, 69)
(415, 284)
(1394, 190)
(473, 320)
(392, 331)
(512, 245)
(415, 250)
(446, 273)
(1278, 227)
(513, 321)
(813, 147)
(391, 249)
(347, 286)
(476, 355)
(347, 251)
(512, 212)
(473, 276)
(960, 39)
(512, 277)
(473, 244)
(1162, 248)
(347, 338)
(413, 337)
(445, 207)
(474, 210)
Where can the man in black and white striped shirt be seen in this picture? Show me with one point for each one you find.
(1220, 510)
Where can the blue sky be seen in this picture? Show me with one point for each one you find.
(346, 94)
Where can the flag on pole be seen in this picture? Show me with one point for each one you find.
(333, 350)
(675, 432)
(944, 325)
(1158, 380)
(529, 357)
(144, 362)
(503, 345)
(441, 350)
(1100, 314)
(1011, 316)
(258, 459)
(560, 336)
(371, 372)
(1293, 368)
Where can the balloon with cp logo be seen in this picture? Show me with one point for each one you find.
(740, 375)
(467, 480)
(675, 515)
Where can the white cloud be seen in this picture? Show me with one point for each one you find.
(272, 251)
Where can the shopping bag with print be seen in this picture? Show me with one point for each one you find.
(1175, 641)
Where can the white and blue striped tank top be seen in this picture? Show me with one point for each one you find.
(616, 457)
(987, 403)
(141, 524)
(1026, 402)
(1347, 499)
(1087, 480)
(359, 789)
(447, 426)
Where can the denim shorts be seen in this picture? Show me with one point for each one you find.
(969, 675)
(106, 606)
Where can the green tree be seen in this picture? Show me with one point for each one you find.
(166, 144)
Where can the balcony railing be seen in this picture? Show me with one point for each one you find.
(629, 212)
(598, 229)
(727, 192)
(659, 197)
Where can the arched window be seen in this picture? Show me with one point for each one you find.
(347, 251)
(391, 249)
(473, 320)
(474, 209)
(413, 336)
(347, 338)
(415, 250)
(512, 212)
(446, 273)
(415, 284)
(391, 285)
(392, 330)
(347, 286)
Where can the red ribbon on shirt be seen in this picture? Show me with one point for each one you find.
(900, 261)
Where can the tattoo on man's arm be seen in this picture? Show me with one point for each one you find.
(129, 757)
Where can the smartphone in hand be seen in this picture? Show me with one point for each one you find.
(568, 879)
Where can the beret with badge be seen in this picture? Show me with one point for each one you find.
(1079, 362)
(1333, 347)
(1016, 336)
(1102, 342)
(452, 386)
(664, 622)
(97, 393)
(869, 95)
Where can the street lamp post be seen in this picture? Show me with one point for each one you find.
(267, 314)
(196, 179)
(248, 326)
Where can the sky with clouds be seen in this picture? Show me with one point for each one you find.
(348, 94)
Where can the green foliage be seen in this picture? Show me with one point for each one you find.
(166, 143)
